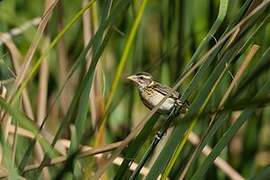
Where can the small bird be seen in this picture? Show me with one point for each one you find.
(152, 92)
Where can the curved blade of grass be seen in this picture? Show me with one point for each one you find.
(223, 6)
(81, 98)
(80, 59)
(203, 142)
(73, 110)
(168, 149)
(211, 131)
(210, 34)
(257, 71)
(98, 49)
(183, 77)
(120, 69)
(195, 106)
(123, 60)
(180, 146)
(30, 53)
(80, 119)
(245, 115)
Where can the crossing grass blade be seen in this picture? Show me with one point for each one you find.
(245, 116)
(203, 143)
(124, 58)
(169, 148)
(24, 122)
(25, 159)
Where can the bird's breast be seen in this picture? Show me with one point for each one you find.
(151, 98)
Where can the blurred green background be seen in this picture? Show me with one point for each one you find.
(65, 63)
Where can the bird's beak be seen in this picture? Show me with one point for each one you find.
(132, 78)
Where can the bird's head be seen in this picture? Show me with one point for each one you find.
(142, 79)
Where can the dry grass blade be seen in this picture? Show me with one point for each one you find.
(63, 62)
(23, 132)
(42, 104)
(43, 88)
(90, 24)
(87, 34)
(219, 162)
(29, 55)
(86, 151)
(16, 60)
(193, 138)
(5, 37)
(27, 60)
(239, 73)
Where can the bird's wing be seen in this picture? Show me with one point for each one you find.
(165, 90)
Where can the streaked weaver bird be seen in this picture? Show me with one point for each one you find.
(152, 92)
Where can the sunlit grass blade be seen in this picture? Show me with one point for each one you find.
(124, 58)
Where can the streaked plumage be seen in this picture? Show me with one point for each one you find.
(152, 92)
(3, 91)
(3, 94)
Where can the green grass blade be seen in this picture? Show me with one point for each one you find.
(134, 147)
(34, 70)
(263, 174)
(180, 146)
(245, 115)
(124, 58)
